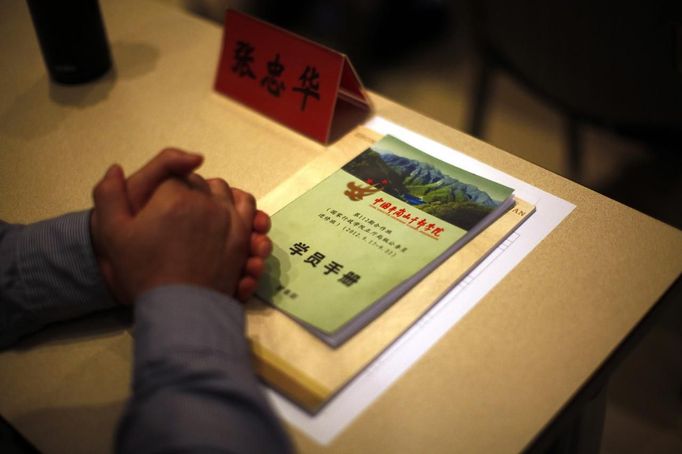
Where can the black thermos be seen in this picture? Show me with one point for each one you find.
(72, 39)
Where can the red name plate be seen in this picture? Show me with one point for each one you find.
(284, 76)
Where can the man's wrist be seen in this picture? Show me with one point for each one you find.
(103, 264)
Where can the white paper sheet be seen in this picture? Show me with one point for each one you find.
(402, 354)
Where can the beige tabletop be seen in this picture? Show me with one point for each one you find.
(490, 385)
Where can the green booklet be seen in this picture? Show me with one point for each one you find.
(348, 248)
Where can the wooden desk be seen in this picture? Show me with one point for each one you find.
(491, 384)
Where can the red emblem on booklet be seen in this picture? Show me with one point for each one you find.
(284, 76)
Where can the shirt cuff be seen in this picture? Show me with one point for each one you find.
(58, 271)
(180, 319)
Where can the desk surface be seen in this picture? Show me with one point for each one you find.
(491, 384)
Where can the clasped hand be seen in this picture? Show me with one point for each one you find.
(167, 225)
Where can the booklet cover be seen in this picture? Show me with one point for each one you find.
(348, 248)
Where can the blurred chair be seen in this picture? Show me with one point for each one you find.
(612, 64)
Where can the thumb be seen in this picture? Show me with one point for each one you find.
(111, 198)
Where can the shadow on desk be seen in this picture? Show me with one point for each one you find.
(101, 324)
(131, 60)
(346, 117)
(49, 424)
(12, 442)
(46, 426)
